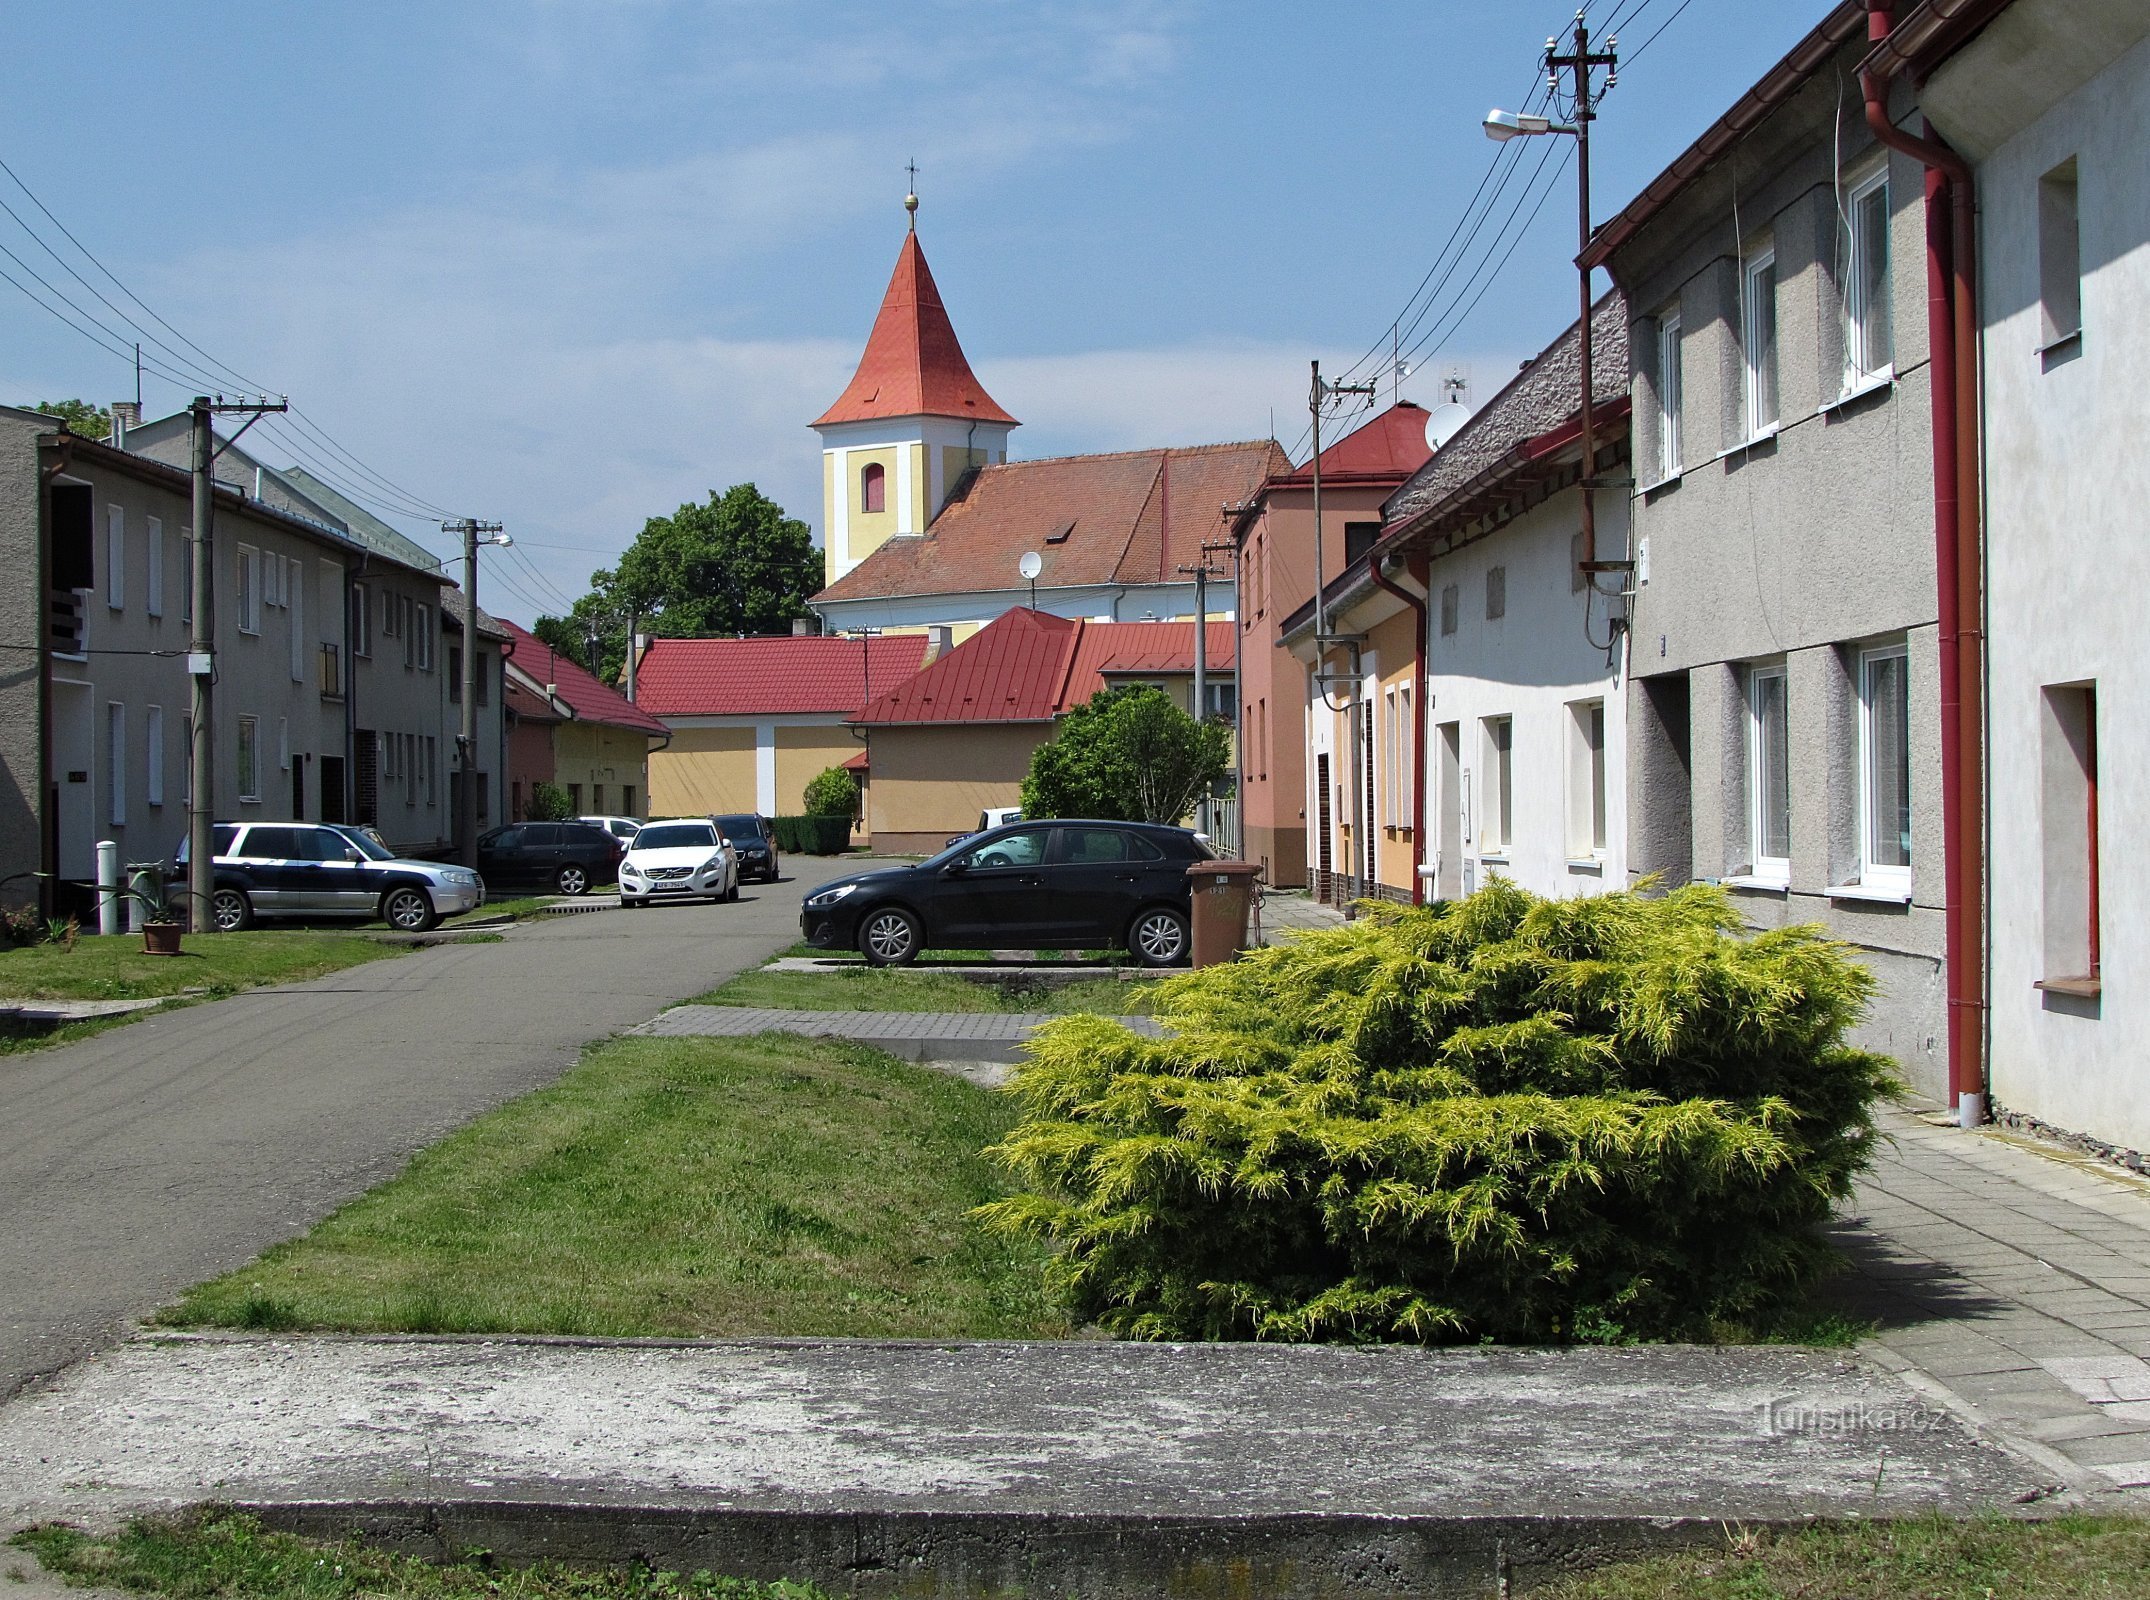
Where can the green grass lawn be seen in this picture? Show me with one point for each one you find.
(921, 989)
(1987, 1558)
(773, 1185)
(230, 1556)
(114, 967)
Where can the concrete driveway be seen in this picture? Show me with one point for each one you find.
(144, 1160)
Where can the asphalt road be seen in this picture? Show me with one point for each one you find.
(155, 1155)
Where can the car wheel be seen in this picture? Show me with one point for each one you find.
(630, 905)
(572, 879)
(1158, 938)
(231, 910)
(731, 890)
(408, 910)
(890, 937)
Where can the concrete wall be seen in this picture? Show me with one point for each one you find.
(933, 780)
(1797, 547)
(1534, 667)
(2066, 492)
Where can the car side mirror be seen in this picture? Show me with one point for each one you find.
(956, 868)
(351, 852)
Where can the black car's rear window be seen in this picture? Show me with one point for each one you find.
(740, 827)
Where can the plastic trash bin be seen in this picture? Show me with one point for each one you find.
(1223, 893)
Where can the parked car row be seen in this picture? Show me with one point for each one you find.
(1063, 885)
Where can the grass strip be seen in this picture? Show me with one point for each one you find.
(230, 1556)
(115, 967)
(914, 989)
(677, 1187)
(2065, 1558)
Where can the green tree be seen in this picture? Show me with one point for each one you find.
(548, 803)
(832, 793)
(81, 417)
(1130, 755)
(735, 564)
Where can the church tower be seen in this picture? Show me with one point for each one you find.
(913, 420)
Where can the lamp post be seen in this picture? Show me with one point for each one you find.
(1501, 126)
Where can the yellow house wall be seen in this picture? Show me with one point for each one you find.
(1394, 649)
(703, 771)
(802, 755)
(830, 555)
(869, 529)
(931, 782)
(593, 754)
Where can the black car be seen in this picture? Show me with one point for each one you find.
(567, 856)
(754, 838)
(1065, 885)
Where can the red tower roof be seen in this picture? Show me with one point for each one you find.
(913, 365)
(1390, 447)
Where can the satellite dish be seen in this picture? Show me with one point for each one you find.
(1443, 421)
(1031, 565)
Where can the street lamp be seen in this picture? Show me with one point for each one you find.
(1501, 126)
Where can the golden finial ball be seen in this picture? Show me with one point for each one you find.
(910, 202)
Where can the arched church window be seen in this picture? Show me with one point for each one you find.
(873, 487)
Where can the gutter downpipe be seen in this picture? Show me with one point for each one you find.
(1952, 328)
(1418, 718)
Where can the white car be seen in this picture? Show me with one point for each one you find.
(678, 861)
(618, 827)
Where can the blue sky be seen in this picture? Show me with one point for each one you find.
(565, 263)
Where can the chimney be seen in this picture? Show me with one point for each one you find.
(940, 639)
(126, 414)
(802, 627)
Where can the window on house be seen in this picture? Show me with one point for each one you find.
(485, 679)
(1869, 344)
(1359, 537)
(153, 590)
(1406, 759)
(249, 589)
(283, 744)
(1388, 758)
(295, 599)
(424, 631)
(1885, 768)
(153, 756)
(250, 759)
(116, 764)
(1769, 782)
(2060, 256)
(455, 674)
(361, 620)
(2068, 828)
(1451, 597)
(1586, 779)
(272, 580)
(1496, 796)
(116, 557)
(1218, 699)
(1759, 325)
(1496, 593)
(873, 487)
(1668, 396)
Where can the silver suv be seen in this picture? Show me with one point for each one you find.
(320, 869)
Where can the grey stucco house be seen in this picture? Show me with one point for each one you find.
(1782, 705)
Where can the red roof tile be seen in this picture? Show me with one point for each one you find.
(1130, 517)
(1026, 666)
(1390, 446)
(589, 699)
(773, 676)
(913, 365)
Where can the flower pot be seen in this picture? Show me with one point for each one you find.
(162, 938)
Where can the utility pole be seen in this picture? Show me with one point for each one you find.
(201, 651)
(466, 739)
(1317, 396)
(1580, 61)
(1201, 572)
(634, 649)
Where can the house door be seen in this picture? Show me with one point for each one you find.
(367, 749)
(74, 789)
(332, 789)
(298, 786)
(1324, 850)
(1448, 880)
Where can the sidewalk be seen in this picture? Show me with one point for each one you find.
(1294, 911)
(2012, 1282)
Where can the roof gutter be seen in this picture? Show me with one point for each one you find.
(1952, 332)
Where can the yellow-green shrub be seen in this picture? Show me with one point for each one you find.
(1505, 1118)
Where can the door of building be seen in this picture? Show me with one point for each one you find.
(332, 789)
(1324, 849)
(1448, 879)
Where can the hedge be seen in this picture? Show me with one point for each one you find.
(1504, 1118)
(813, 836)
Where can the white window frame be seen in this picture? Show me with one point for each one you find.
(116, 557)
(1406, 759)
(283, 744)
(248, 752)
(153, 588)
(1496, 790)
(1759, 356)
(116, 763)
(1764, 867)
(249, 597)
(272, 587)
(153, 755)
(1670, 397)
(424, 631)
(1873, 875)
(1861, 369)
(361, 622)
(1589, 815)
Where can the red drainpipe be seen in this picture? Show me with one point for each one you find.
(1418, 723)
(1952, 331)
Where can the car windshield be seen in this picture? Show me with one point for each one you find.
(366, 844)
(675, 836)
